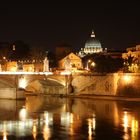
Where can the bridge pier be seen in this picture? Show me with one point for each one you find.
(9, 87)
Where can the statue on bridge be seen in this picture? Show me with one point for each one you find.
(46, 64)
(67, 63)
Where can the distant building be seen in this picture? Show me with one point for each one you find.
(92, 45)
(71, 61)
(28, 67)
(11, 66)
(23, 65)
(113, 54)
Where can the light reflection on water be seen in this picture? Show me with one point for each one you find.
(63, 118)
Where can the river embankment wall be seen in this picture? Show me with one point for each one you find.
(116, 84)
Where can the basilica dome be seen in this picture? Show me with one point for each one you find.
(92, 45)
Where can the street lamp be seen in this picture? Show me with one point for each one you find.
(90, 63)
(93, 64)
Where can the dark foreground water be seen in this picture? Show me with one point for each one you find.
(43, 118)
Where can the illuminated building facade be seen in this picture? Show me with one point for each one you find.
(71, 61)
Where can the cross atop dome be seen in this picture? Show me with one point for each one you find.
(92, 34)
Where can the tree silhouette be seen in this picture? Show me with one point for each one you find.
(128, 62)
(104, 63)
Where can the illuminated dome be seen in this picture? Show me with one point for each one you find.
(92, 45)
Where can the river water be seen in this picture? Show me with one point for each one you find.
(54, 118)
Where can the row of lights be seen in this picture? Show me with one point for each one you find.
(22, 61)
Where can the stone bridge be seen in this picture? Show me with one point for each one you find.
(13, 80)
(35, 83)
(108, 84)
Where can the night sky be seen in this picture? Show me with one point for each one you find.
(44, 24)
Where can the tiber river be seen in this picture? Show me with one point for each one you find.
(54, 118)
